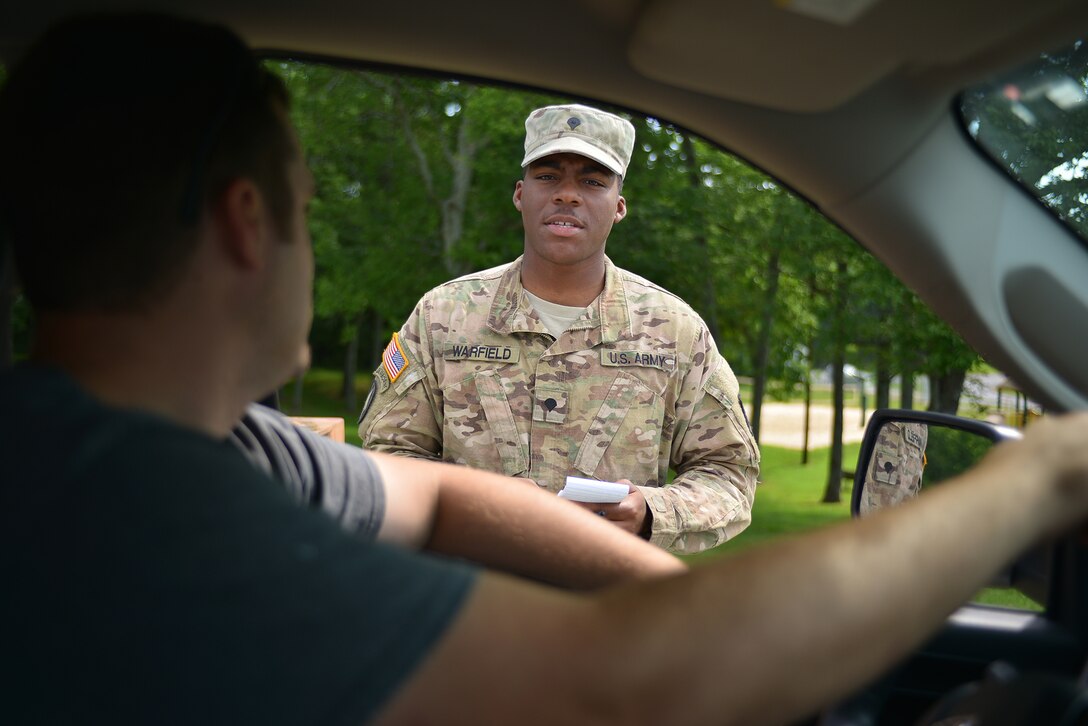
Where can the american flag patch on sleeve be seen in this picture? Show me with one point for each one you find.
(394, 359)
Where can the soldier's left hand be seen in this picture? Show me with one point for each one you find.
(629, 513)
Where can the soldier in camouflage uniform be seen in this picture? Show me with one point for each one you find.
(561, 364)
(895, 470)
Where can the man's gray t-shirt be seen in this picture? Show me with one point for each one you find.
(341, 480)
(152, 574)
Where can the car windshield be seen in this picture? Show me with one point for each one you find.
(1033, 121)
(414, 176)
(416, 172)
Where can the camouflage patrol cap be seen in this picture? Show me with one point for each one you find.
(604, 137)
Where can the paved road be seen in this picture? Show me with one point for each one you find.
(783, 425)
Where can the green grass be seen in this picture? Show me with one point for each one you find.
(321, 397)
(787, 500)
(1006, 597)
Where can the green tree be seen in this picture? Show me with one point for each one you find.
(414, 178)
(1034, 121)
(368, 219)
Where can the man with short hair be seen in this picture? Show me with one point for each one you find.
(561, 363)
(166, 296)
(153, 575)
(141, 166)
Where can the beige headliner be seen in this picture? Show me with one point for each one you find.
(825, 107)
(759, 52)
(768, 54)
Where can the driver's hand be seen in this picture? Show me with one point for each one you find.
(1053, 453)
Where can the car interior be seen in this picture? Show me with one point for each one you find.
(859, 107)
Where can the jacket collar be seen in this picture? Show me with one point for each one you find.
(607, 320)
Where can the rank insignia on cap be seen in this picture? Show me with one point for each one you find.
(394, 359)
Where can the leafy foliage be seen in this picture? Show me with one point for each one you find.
(414, 182)
(414, 177)
(1034, 122)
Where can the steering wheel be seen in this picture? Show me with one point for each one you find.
(1006, 697)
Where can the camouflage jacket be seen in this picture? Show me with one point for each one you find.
(633, 387)
(895, 471)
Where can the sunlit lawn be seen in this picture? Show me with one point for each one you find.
(787, 501)
(321, 397)
(789, 498)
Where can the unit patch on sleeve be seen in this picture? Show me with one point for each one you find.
(912, 436)
(394, 359)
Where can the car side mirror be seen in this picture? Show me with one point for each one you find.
(905, 452)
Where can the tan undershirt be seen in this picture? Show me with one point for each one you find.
(556, 318)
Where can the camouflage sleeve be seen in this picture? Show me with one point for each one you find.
(895, 469)
(402, 413)
(716, 460)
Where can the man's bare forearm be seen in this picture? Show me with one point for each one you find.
(718, 645)
(513, 526)
(858, 596)
(839, 606)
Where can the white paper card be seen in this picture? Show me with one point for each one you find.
(591, 490)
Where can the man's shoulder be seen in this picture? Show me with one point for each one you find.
(28, 384)
(473, 291)
(640, 288)
(644, 294)
(36, 399)
(101, 447)
(471, 284)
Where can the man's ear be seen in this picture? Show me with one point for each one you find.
(517, 195)
(621, 209)
(241, 220)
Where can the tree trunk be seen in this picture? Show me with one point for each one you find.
(453, 206)
(883, 380)
(833, 491)
(709, 307)
(377, 340)
(763, 344)
(351, 367)
(808, 400)
(862, 402)
(461, 160)
(296, 396)
(945, 390)
(906, 390)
